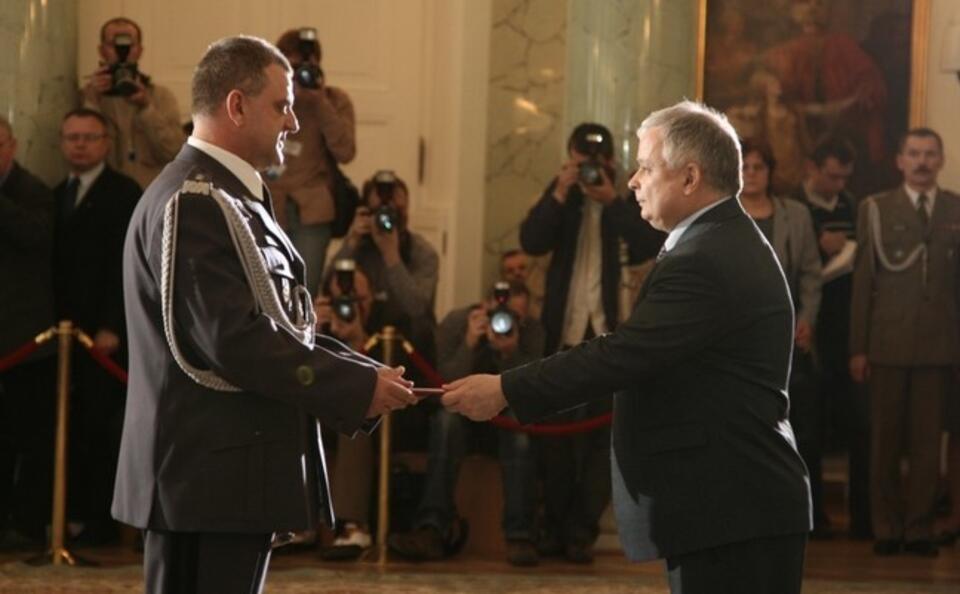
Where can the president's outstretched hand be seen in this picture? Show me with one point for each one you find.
(477, 397)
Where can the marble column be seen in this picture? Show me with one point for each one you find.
(525, 132)
(38, 42)
(626, 58)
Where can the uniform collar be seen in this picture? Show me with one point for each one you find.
(242, 170)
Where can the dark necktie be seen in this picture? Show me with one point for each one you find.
(922, 210)
(69, 203)
(662, 252)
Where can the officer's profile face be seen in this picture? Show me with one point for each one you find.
(84, 142)
(108, 49)
(268, 117)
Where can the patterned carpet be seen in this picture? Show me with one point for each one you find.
(18, 578)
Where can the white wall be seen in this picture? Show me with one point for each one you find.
(943, 92)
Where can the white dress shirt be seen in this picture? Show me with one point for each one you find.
(241, 169)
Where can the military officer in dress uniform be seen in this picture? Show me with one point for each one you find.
(221, 447)
(904, 340)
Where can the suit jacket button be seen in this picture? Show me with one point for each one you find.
(305, 375)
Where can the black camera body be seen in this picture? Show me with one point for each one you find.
(591, 171)
(308, 74)
(502, 319)
(344, 305)
(123, 74)
(385, 216)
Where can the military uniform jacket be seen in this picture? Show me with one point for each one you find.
(197, 459)
(908, 317)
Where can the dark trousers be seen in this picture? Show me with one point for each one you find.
(769, 565)
(576, 478)
(96, 422)
(806, 413)
(448, 445)
(907, 417)
(203, 563)
(27, 423)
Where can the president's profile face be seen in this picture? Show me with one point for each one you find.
(657, 188)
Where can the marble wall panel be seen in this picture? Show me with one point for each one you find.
(38, 78)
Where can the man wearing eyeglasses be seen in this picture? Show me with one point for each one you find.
(93, 208)
(143, 116)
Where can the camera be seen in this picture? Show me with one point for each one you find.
(307, 73)
(344, 305)
(591, 170)
(123, 74)
(385, 216)
(502, 318)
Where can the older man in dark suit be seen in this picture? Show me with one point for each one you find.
(94, 205)
(221, 445)
(706, 471)
(27, 390)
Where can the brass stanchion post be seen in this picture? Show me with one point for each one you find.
(389, 340)
(58, 550)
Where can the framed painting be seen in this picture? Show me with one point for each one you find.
(795, 72)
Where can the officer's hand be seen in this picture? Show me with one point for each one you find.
(477, 397)
(859, 368)
(604, 193)
(477, 323)
(106, 341)
(831, 242)
(321, 306)
(567, 176)
(392, 392)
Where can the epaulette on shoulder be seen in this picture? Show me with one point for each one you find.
(197, 182)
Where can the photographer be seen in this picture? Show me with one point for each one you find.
(401, 265)
(581, 221)
(342, 312)
(303, 188)
(485, 338)
(144, 117)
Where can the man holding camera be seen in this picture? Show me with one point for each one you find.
(401, 265)
(144, 117)
(492, 336)
(303, 187)
(581, 221)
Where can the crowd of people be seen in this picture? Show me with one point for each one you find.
(873, 282)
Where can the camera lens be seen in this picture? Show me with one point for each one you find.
(501, 322)
(386, 218)
(344, 308)
(590, 174)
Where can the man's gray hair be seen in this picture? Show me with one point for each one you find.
(5, 125)
(695, 133)
(233, 63)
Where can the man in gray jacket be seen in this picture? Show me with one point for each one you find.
(904, 341)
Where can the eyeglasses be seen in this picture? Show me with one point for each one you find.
(88, 137)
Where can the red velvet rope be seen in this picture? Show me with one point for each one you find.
(108, 364)
(18, 355)
(507, 423)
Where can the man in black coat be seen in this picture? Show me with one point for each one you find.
(27, 390)
(94, 205)
(581, 221)
(221, 446)
(706, 471)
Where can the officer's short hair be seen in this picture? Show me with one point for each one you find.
(920, 133)
(695, 133)
(233, 63)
